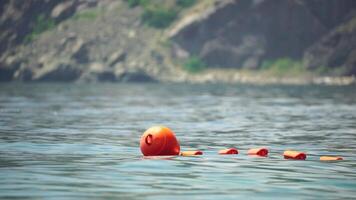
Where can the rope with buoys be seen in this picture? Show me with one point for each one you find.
(161, 141)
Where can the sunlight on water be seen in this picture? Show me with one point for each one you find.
(66, 141)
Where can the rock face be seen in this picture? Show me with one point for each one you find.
(17, 21)
(336, 50)
(58, 70)
(17, 18)
(62, 10)
(92, 46)
(243, 33)
(106, 40)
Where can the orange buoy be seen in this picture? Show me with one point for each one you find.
(229, 151)
(330, 158)
(191, 153)
(159, 141)
(294, 155)
(258, 152)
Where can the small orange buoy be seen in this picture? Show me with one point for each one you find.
(294, 155)
(159, 141)
(330, 158)
(229, 151)
(258, 152)
(191, 153)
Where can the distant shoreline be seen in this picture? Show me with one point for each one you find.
(259, 78)
(210, 79)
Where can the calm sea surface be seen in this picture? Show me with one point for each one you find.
(81, 141)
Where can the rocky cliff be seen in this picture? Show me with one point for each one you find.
(335, 50)
(244, 33)
(107, 40)
(92, 41)
(18, 20)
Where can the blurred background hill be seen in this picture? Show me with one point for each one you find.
(176, 40)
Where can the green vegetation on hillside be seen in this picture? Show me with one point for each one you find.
(158, 17)
(284, 66)
(87, 15)
(41, 25)
(160, 14)
(331, 71)
(44, 23)
(289, 67)
(194, 64)
(185, 3)
(134, 3)
(348, 27)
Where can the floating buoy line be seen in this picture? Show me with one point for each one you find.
(161, 141)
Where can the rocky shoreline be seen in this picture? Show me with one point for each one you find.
(107, 41)
(257, 78)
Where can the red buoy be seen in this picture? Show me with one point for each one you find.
(258, 152)
(330, 158)
(228, 151)
(159, 141)
(296, 155)
(191, 153)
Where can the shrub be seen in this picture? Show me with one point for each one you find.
(331, 71)
(185, 3)
(284, 66)
(86, 15)
(158, 14)
(194, 64)
(41, 25)
(158, 17)
(134, 3)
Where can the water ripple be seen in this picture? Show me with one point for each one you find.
(63, 141)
